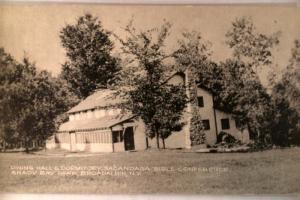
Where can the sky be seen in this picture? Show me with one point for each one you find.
(32, 29)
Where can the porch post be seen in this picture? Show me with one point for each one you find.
(112, 140)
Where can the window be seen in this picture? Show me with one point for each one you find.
(99, 113)
(72, 118)
(77, 116)
(117, 136)
(89, 114)
(238, 123)
(225, 124)
(200, 101)
(110, 112)
(117, 111)
(206, 125)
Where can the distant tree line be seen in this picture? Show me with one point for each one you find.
(33, 102)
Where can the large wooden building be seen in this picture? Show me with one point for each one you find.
(97, 124)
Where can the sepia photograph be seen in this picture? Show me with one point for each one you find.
(136, 99)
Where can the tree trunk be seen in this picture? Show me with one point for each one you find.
(26, 145)
(164, 145)
(4, 146)
(157, 140)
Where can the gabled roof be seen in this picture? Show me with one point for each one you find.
(179, 73)
(103, 98)
(94, 124)
(99, 99)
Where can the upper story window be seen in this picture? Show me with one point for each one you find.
(238, 123)
(99, 113)
(118, 111)
(77, 116)
(110, 112)
(206, 124)
(89, 114)
(225, 124)
(200, 101)
(83, 115)
(71, 117)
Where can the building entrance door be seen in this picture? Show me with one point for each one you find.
(129, 139)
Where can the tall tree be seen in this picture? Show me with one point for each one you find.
(286, 101)
(143, 82)
(247, 99)
(9, 72)
(250, 102)
(90, 62)
(30, 101)
(249, 45)
(193, 58)
(251, 50)
(291, 77)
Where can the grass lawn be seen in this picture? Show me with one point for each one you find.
(169, 171)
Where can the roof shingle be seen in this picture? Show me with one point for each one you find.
(90, 124)
(99, 99)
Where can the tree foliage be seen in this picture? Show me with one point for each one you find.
(193, 57)
(250, 46)
(193, 52)
(251, 50)
(286, 101)
(143, 85)
(234, 83)
(88, 48)
(30, 101)
(247, 99)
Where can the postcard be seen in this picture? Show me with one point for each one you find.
(174, 100)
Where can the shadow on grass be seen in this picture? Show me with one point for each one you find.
(23, 150)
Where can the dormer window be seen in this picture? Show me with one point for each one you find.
(110, 112)
(77, 116)
(99, 113)
(89, 114)
(71, 117)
